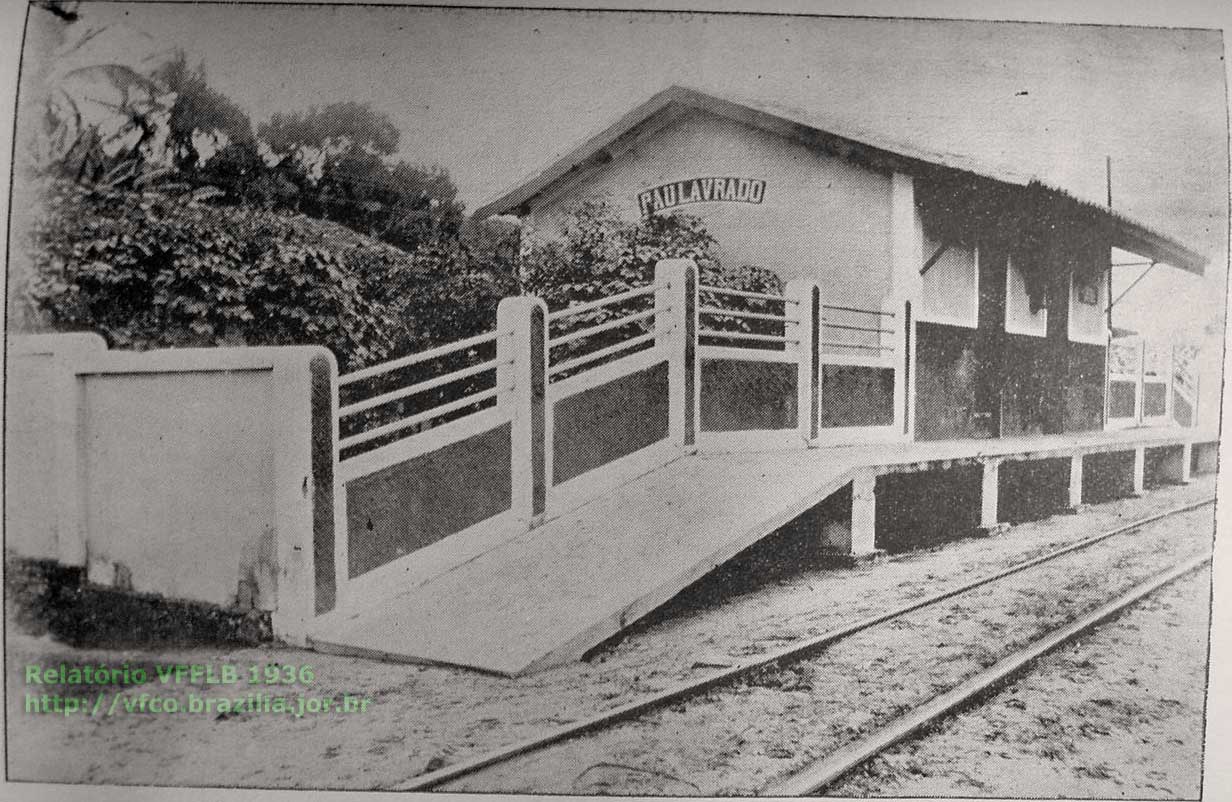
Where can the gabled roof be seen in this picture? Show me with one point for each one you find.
(859, 147)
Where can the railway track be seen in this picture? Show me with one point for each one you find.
(819, 774)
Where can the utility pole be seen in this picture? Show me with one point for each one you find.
(1108, 280)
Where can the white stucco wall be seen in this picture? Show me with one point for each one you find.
(195, 473)
(40, 503)
(820, 218)
(179, 479)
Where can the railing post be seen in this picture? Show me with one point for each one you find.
(990, 488)
(1140, 391)
(676, 333)
(521, 373)
(806, 331)
(1170, 386)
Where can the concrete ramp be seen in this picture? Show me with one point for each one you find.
(546, 596)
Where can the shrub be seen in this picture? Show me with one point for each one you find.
(154, 269)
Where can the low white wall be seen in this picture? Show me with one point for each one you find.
(40, 511)
(187, 473)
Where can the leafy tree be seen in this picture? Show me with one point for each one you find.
(336, 157)
(200, 111)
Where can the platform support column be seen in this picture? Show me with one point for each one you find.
(676, 336)
(1075, 481)
(806, 331)
(864, 514)
(989, 490)
(522, 357)
(1140, 471)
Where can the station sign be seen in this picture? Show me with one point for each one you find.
(700, 190)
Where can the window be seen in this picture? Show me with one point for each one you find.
(1018, 316)
(951, 292)
(1088, 299)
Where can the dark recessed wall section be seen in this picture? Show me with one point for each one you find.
(986, 383)
(1084, 387)
(1107, 476)
(1026, 377)
(1028, 490)
(1204, 458)
(917, 510)
(1154, 399)
(1182, 410)
(1155, 471)
(856, 395)
(1121, 399)
(413, 504)
(946, 370)
(742, 396)
(605, 423)
(47, 598)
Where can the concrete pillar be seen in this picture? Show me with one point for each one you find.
(989, 490)
(906, 238)
(1140, 387)
(676, 327)
(907, 287)
(1140, 471)
(864, 514)
(303, 488)
(807, 332)
(522, 354)
(1075, 480)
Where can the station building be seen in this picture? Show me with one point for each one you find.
(1006, 280)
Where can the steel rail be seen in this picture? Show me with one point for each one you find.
(412, 359)
(594, 356)
(423, 417)
(434, 779)
(845, 327)
(819, 775)
(564, 339)
(739, 335)
(719, 311)
(828, 344)
(601, 302)
(759, 296)
(857, 310)
(416, 389)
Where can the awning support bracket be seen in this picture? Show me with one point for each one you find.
(1131, 286)
(932, 260)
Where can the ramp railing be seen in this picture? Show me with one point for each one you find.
(615, 396)
(427, 446)
(757, 368)
(430, 391)
(444, 454)
(865, 356)
(1151, 383)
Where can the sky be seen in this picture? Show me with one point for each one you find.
(495, 95)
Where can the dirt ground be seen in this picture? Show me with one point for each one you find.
(1116, 715)
(423, 717)
(739, 740)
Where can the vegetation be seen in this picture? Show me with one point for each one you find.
(161, 216)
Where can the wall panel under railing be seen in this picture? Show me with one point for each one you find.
(752, 349)
(610, 386)
(864, 355)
